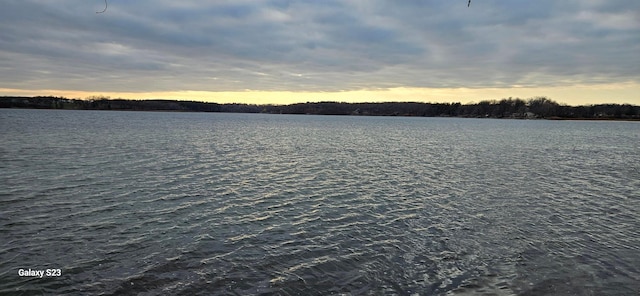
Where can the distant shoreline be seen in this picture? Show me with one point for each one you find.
(535, 108)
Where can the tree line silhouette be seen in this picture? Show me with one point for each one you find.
(538, 107)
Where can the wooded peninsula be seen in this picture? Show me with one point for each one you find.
(534, 108)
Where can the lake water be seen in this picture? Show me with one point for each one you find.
(157, 203)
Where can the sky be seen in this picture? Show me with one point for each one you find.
(576, 52)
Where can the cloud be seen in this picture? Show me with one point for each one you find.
(142, 46)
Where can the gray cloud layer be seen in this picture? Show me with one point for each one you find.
(316, 45)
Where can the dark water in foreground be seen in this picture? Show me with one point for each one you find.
(247, 204)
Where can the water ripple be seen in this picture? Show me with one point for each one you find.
(200, 204)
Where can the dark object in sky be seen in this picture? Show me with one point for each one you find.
(467, 3)
(105, 7)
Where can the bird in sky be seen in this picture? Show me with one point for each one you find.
(469, 3)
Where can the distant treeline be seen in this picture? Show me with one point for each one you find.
(540, 107)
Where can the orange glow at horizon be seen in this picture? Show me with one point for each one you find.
(623, 93)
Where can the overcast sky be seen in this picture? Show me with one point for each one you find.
(322, 47)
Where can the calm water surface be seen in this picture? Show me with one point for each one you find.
(247, 204)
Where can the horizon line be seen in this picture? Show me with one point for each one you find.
(572, 96)
(526, 100)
